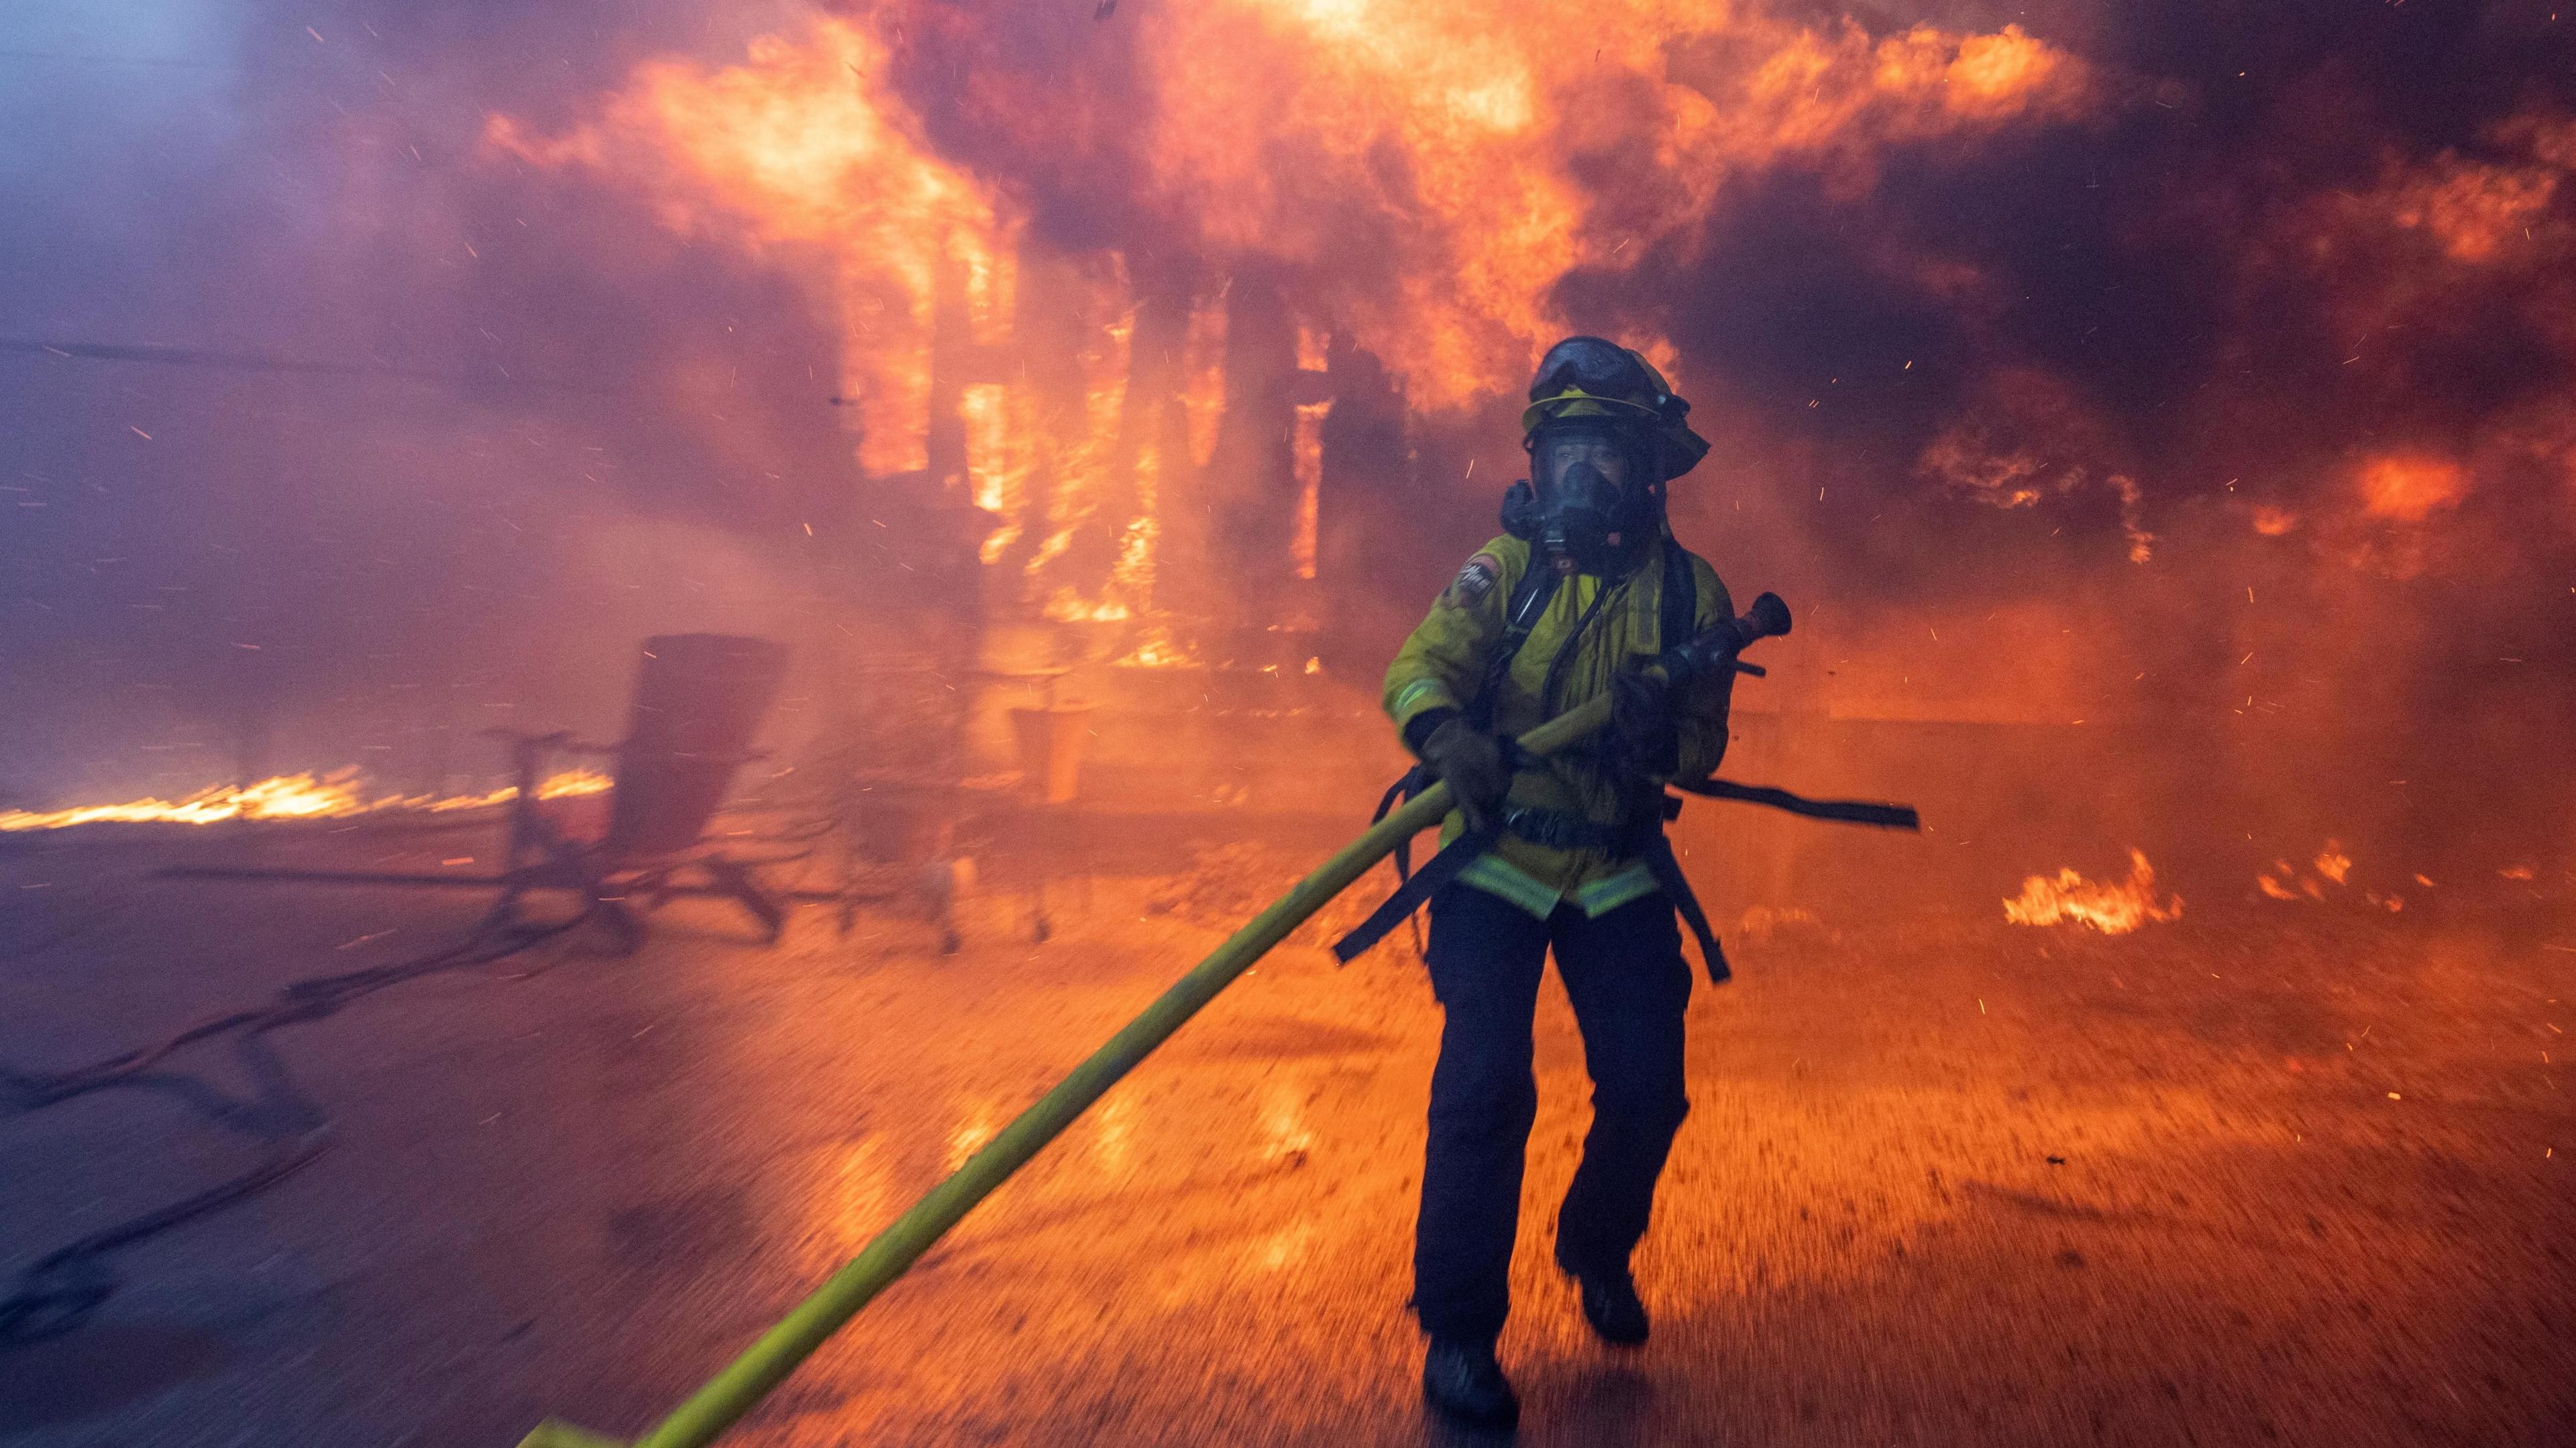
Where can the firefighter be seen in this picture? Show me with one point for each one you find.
(1586, 586)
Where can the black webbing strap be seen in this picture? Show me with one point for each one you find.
(1416, 887)
(1528, 604)
(1463, 851)
(1678, 619)
(1667, 871)
(1847, 811)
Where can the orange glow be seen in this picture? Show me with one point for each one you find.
(1995, 72)
(288, 797)
(1309, 460)
(2474, 212)
(2274, 522)
(1203, 391)
(1314, 349)
(2112, 908)
(2141, 542)
(2408, 488)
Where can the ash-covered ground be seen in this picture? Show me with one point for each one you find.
(2271, 1173)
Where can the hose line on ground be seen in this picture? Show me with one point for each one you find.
(59, 1291)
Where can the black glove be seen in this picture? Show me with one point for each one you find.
(1645, 739)
(1470, 762)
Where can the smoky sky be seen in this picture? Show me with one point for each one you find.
(553, 424)
(425, 447)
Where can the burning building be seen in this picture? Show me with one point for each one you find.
(2178, 418)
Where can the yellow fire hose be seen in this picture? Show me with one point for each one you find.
(734, 1391)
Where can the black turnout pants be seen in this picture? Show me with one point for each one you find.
(1625, 975)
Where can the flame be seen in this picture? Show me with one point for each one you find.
(1068, 607)
(2113, 909)
(806, 151)
(2333, 863)
(2285, 881)
(1083, 499)
(1459, 124)
(997, 465)
(1156, 650)
(1458, 130)
(337, 794)
(1133, 575)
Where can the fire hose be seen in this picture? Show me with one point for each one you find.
(734, 1391)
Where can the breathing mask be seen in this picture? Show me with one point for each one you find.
(1588, 502)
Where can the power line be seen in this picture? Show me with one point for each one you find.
(165, 356)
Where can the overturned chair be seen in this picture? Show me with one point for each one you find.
(699, 701)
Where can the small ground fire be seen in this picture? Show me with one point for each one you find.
(707, 707)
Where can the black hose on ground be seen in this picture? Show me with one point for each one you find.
(59, 1291)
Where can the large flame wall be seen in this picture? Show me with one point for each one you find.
(2194, 376)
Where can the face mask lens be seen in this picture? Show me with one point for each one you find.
(1580, 469)
(1581, 476)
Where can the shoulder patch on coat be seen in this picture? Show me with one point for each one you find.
(1473, 582)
